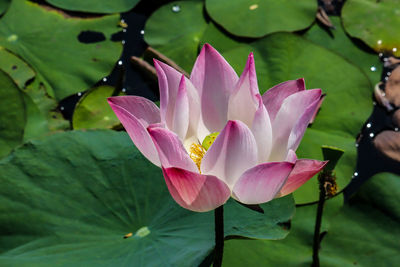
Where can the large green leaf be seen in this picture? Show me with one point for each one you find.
(12, 114)
(92, 111)
(95, 6)
(339, 42)
(362, 233)
(48, 41)
(4, 5)
(284, 56)
(294, 250)
(365, 232)
(218, 39)
(258, 18)
(377, 23)
(175, 30)
(69, 200)
(16, 68)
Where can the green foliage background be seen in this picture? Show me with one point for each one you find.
(71, 190)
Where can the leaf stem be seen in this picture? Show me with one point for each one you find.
(219, 236)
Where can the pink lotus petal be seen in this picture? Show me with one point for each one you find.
(170, 149)
(303, 170)
(243, 102)
(135, 114)
(293, 115)
(301, 125)
(262, 183)
(195, 191)
(143, 109)
(180, 120)
(291, 156)
(214, 79)
(168, 81)
(262, 131)
(274, 97)
(232, 153)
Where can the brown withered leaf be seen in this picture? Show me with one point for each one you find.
(388, 142)
(392, 88)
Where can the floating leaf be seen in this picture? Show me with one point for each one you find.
(62, 63)
(92, 111)
(259, 18)
(95, 6)
(16, 68)
(90, 198)
(364, 232)
(294, 250)
(176, 29)
(4, 5)
(12, 114)
(283, 56)
(377, 23)
(339, 42)
(358, 234)
(220, 40)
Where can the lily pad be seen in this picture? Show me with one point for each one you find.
(364, 233)
(339, 42)
(12, 115)
(95, 6)
(377, 23)
(16, 68)
(4, 5)
(294, 250)
(283, 56)
(259, 18)
(361, 234)
(62, 63)
(92, 111)
(219, 38)
(71, 198)
(175, 30)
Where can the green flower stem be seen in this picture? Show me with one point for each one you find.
(219, 236)
(318, 220)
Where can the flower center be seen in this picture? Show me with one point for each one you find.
(198, 151)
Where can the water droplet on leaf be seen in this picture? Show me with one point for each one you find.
(176, 8)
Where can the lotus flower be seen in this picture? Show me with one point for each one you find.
(215, 136)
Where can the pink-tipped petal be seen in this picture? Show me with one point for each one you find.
(262, 131)
(294, 114)
(291, 156)
(303, 170)
(243, 101)
(170, 149)
(143, 109)
(180, 121)
(301, 125)
(214, 79)
(135, 114)
(232, 153)
(168, 82)
(194, 191)
(274, 97)
(262, 183)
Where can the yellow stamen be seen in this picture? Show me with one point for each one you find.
(197, 153)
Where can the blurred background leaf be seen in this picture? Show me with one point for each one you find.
(376, 23)
(95, 6)
(258, 18)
